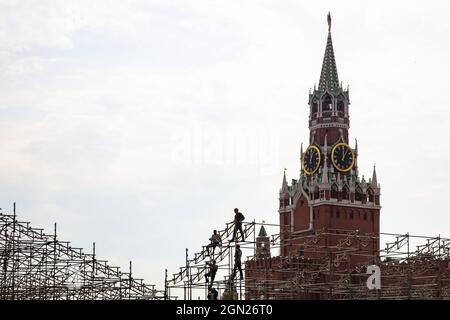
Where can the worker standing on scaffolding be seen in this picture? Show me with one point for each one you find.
(212, 294)
(212, 273)
(237, 262)
(238, 218)
(216, 241)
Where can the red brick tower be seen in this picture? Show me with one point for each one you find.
(329, 194)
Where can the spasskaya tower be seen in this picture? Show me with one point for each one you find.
(329, 193)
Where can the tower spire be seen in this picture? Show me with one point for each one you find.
(329, 21)
(329, 76)
(374, 178)
(262, 232)
(284, 185)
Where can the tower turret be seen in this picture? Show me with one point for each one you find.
(262, 244)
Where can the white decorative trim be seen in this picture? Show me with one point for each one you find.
(329, 125)
(370, 205)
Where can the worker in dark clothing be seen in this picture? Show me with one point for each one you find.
(238, 218)
(211, 273)
(216, 241)
(237, 262)
(212, 294)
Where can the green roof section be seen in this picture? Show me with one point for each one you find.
(262, 232)
(329, 76)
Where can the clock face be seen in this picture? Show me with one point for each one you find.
(343, 157)
(311, 159)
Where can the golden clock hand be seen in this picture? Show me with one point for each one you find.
(343, 154)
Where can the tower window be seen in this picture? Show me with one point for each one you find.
(371, 196)
(314, 107)
(359, 194)
(334, 191)
(340, 105)
(345, 193)
(327, 103)
(316, 194)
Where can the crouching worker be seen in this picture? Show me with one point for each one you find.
(216, 241)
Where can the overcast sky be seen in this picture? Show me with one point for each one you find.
(140, 125)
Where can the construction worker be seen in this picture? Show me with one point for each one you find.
(230, 292)
(238, 218)
(237, 262)
(216, 241)
(212, 294)
(211, 273)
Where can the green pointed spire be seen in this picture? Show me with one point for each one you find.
(262, 232)
(329, 76)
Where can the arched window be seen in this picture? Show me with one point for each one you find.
(314, 107)
(316, 193)
(371, 195)
(334, 191)
(340, 106)
(345, 193)
(359, 194)
(327, 104)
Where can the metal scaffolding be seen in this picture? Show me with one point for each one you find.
(189, 283)
(36, 265)
(412, 267)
